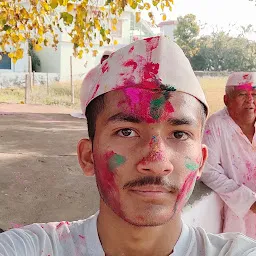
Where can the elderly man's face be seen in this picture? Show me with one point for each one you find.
(147, 153)
(241, 103)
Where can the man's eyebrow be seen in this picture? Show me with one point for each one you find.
(182, 121)
(124, 118)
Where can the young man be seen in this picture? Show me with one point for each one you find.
(145, 111)
(231, 166)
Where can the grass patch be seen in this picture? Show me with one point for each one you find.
(60, 94)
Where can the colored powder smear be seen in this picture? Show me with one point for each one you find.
(115, 161)
(185, 192)
(190, 165)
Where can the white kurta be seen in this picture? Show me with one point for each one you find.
(80, 238)
(231, 171)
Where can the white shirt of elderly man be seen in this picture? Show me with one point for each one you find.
(231, 166)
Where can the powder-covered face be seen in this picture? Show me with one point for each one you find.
(147, 153)
(242, 102)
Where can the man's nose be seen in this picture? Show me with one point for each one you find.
(157, 161)
(250, 97)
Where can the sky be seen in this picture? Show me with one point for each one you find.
(217, 12)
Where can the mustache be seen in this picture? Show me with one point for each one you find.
(152, 180)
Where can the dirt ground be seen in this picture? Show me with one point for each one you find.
(40, 179)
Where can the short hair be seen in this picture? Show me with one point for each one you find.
(229, 90)
(96, 106)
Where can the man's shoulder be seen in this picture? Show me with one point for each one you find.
(57, 238)
(234, 244)
(219, 115)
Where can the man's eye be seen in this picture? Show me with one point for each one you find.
(126, 133)
(180, 135)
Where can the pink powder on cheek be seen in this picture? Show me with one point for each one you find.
(106, 182)
(185, 192)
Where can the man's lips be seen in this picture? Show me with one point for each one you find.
(159, 189)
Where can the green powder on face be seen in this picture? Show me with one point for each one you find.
(156, 107)
(192, 166)
(115, 161)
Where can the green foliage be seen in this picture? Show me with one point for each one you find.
(186, 35)
(218, 51)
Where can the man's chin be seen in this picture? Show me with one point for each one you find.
(146, 220)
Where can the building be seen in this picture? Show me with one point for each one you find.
(167, 28)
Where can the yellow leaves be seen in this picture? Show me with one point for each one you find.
(40, 31)
(21, 38)
(80, 54)
(70, 7)
(147, 6)
(114, 21)
(113, 27)
(67, 18)
(97, 24)
(164, 17)
(19, 53)
(94, 53)
(138, 16)
(38, 47)
(87, 25)
(155, 2)
(21, 27)
(47, 7)
(15, 38)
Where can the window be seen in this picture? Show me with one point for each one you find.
(5, 62)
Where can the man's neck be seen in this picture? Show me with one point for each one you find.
(246, 125)
(119, 238)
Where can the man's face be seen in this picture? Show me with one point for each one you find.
(147, 153)
(241, 103)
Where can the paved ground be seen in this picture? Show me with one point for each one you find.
(40, 179)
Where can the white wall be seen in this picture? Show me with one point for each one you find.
(50, 60)
(167, 30)
(206, 213)
(78, 65)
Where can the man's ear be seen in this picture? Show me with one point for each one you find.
(203, 160)
(85, 156)
(225, 98)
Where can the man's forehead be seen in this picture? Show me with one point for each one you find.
(119, 100)
(244, 88)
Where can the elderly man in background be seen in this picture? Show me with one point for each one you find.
(231, 167)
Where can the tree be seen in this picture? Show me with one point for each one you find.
(87, 22)
(186, 35)
(222, 52)
(36, 63)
